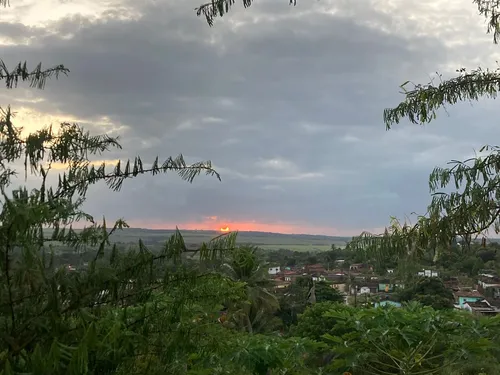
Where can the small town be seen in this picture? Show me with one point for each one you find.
(360, 285)
(249, 187)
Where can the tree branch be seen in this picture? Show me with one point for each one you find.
(489, 9)
(422, 102)
(36, 78)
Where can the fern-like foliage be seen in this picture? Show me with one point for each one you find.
(51, 313)
(126, 304)
(256, 313)
(218, 8)
(54, 320)
(422, 101)
(36, 77)
(489, 9)
(469, 208)
(469, 211)
(128, 311)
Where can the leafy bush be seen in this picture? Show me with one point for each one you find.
(410, 340)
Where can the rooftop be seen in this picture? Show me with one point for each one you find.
(468, 293)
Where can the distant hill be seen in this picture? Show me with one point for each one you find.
(272, 241)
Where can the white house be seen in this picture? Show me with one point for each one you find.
(340, 287)
(489, 275)
(274, 270)
(361, 290)
(319, 278)
(428, 273)
(364, 290)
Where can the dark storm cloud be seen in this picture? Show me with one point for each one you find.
(287, 102)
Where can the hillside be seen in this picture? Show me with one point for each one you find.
(272, 241)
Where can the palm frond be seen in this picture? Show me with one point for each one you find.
(218, 8)
(36, 77)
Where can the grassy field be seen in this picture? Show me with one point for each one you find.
(270, 241)
(300, 247)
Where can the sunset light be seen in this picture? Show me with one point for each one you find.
(226, 225)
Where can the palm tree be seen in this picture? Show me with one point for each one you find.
(256, 314)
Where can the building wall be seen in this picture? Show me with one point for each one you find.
(385, 287)
(387, 303)
(274, 270)
(462, 300)
(428, 273)
(340, 287)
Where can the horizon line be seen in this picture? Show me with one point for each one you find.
(254, 231)
(239, 231)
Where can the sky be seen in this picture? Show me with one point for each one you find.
(285, 101)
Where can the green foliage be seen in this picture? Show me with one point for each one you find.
(415, 339)
(292, 303)
(489, 9)
(471, 208)
(298, 296)
(139, 310)
(256, 313)
(314, 324)
(124, 307)
(133, 311)
(429, 291)
(325, 293)
(470, 265)
(412, 340)
(287, 257)
(264, 355)
(422, 101)
(243, 264)
(409, 340)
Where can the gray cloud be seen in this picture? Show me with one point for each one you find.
(287, 102)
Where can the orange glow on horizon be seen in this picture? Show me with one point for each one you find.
(224, 225)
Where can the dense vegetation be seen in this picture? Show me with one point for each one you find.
(212, 310)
